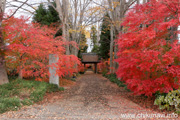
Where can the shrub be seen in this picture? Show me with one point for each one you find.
(81, 69)
(54, 88)
(113, 78)
(73, 79)
(169, 101)
(81, 72)
(61, 88)
(104, 73)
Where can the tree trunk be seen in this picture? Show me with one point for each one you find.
(3, 73)
(20, 76)
(64, 31)
(111, 50)
(173, 34)
(138, 2)
(145, 1)
(67, 39)
(115, 57)
(115, 52)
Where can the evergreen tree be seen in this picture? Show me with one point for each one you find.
(83, 44)
(94, 35)
(94, 39)
(40, 15)
(46, 16)
(53, 15)
(105, 38)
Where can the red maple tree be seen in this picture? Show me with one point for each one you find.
(29, 48)
(149, 50)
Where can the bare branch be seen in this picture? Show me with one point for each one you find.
(14, 6)
(17, 9)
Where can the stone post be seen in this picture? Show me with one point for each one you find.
(53, 78)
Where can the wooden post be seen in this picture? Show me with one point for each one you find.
(84, 67)
(53, 78)
(95, 68)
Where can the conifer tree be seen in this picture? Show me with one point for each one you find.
(105, 38)
(46, 16)
(94, 39)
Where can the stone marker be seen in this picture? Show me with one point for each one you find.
(53, 78)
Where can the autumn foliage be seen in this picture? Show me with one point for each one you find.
(29, 46)
(149, 57)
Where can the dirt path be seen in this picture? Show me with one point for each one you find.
(92, 98)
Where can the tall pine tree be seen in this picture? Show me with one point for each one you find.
(105, 38)
(94, 39)
(46, 16)
(83, 44)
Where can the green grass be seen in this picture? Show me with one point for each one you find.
(23, 92)
(7, 104)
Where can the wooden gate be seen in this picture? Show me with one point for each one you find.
(90, 58)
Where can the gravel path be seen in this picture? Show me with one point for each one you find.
(92, 98)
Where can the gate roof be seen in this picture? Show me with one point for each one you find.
(90, 58)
